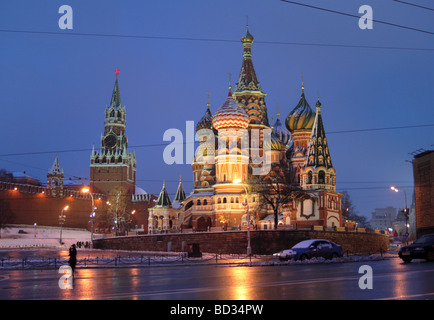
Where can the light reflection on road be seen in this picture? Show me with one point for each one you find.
(391, 280)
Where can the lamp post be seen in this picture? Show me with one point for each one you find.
(249, 248)
(62, 219)
(92, 214)
(405, 208)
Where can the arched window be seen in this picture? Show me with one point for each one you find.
(224, 200)
(309, 177)
(321, 177)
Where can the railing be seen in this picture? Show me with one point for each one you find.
(177, 259)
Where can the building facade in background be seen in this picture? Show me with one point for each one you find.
(383, 218)
(423, 173)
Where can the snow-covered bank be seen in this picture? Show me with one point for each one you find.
(24, 236)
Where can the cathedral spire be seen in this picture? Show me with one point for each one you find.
(248, 91)
(247, 79)
(318, 172)
(180, 193)
(318, 151)
(163, 199)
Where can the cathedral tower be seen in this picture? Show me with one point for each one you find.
(299, 122)
(249, 95)
(113, 165)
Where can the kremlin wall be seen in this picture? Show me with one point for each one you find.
(31, 202)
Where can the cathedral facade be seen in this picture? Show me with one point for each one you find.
(248, 172)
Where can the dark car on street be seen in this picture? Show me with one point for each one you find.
(422, 248)
(313, 248)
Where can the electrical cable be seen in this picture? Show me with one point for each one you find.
(213, 40)
(358, 17)
(414, 5)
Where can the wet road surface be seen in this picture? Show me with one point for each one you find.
(391, 279)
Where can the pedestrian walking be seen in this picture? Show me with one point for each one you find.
(72, 258)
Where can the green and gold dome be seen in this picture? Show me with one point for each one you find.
(302, 117)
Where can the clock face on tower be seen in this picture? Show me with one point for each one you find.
(110, 140)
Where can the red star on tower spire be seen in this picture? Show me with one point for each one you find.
(117, 71)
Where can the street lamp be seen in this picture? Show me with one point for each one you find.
(249, 248)
(62, 219)
(92, 214)
(405, 208)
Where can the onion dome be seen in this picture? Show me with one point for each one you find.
(273, 144)
(280, 131)
(248, 38)
(230, 115)
(302, 117)
(206, 121)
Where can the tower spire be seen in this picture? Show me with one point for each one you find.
(116, 96)
(180, 193)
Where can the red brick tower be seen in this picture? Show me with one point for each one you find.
(113, 165)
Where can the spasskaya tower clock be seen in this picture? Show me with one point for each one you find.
(113, 165)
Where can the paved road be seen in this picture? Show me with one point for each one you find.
(391, 279)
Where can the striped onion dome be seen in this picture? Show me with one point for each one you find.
(230, 115)
(302, 117)
(274, 143)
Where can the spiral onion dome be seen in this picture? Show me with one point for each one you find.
(302, 117)
(205, 122)
(230, 115)
(280, 131)
(273, 144)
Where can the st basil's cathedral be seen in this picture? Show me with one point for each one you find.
(298, 190)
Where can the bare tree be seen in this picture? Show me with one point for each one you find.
(118, 213)
(275, 190)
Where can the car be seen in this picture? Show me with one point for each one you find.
(422, 248)
(308, 249)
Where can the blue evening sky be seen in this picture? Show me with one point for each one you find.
(54, 86)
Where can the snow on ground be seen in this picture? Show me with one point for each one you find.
(29, 238)
(40, 237)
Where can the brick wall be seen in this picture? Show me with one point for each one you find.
(423, 172)
(29, 207)
(262, 242)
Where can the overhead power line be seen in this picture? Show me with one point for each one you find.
(358, 17)
(414, 5)
(381, 129)
(335, 45)
(167, 143)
